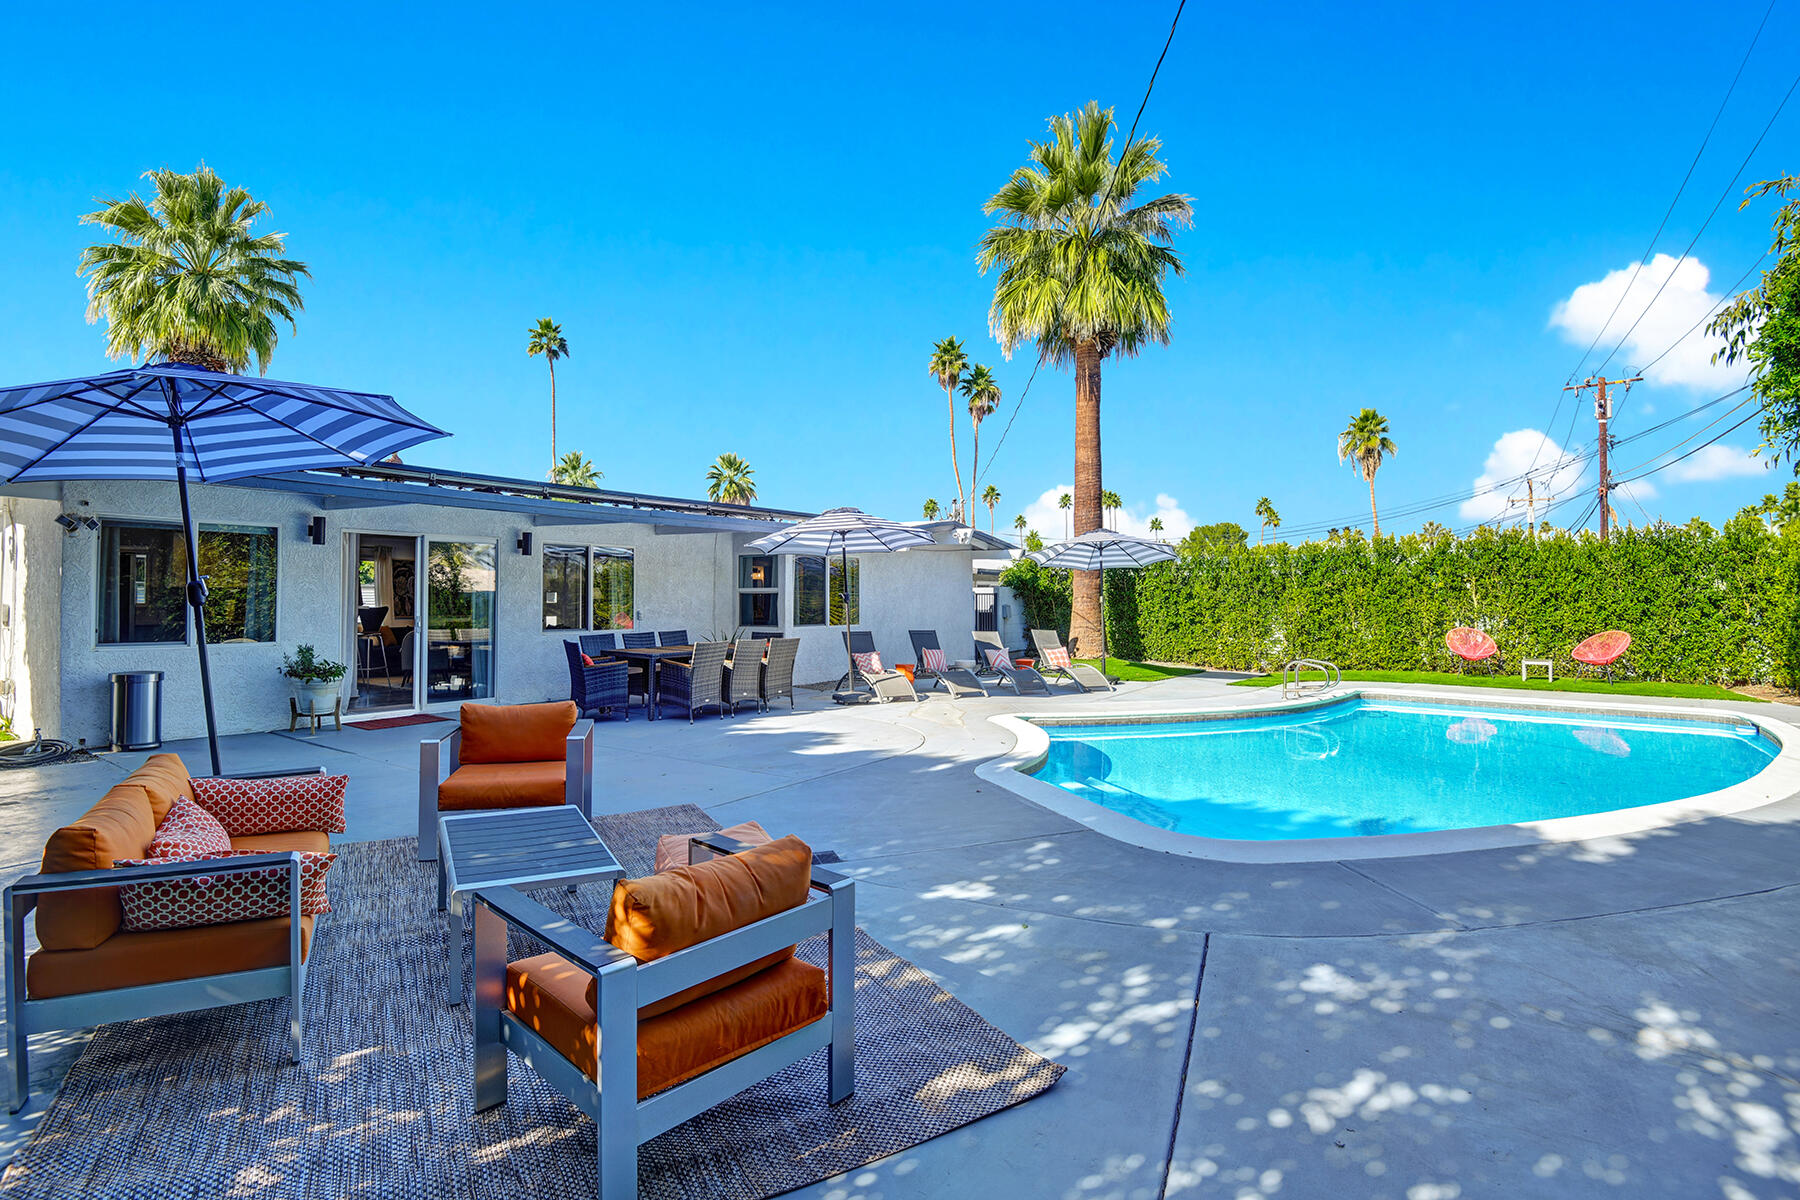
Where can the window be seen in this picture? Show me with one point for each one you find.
(816, 586)
(612, 589)
(565, 586)
(759, 595)
(143, 583)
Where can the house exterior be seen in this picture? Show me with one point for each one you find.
(997, 608)
(434, 587)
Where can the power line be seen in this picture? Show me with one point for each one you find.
(1697, 449)
(1723, 300)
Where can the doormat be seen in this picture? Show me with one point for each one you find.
(395, 722)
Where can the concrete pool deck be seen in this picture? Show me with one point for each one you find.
(1614, 1017)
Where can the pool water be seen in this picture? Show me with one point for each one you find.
(1363, 767)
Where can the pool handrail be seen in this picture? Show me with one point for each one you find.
(1293, 686)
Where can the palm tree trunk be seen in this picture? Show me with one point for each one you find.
(974, 466)
(955, 462)
(1085, 632)
(1373, 515)
(552, 411)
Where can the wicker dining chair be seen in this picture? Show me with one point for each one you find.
(697, 684)
(604, 686)
(778, 670)
(674, 637)
(603, 645)
(638, 641)
(743, 678)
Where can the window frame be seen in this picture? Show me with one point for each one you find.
(832, 566)
(772, 589)
(203, 528)
(565, 553)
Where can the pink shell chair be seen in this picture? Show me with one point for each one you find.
(1470, 645)
(1602, 650)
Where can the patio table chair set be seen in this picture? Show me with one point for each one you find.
(665, 671)
(1601, 652)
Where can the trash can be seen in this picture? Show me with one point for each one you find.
(137, 710)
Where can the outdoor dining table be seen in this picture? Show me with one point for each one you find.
(651, 657)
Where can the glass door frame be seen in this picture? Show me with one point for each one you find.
(422, 701)
(352, 592)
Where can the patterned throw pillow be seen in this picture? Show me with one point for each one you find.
(218, 899)
(587, 661)
(933, 658)
(246, 807)
(189, 831)
(868, 664)
(998, 658)
(1057, 656)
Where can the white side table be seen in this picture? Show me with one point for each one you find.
(1525, 665)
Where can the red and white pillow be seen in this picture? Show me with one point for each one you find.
(933, 658)
(998, 658)
(218, 899)
(868, 664)
(246, 807)
(189, 831)
(1057, 656)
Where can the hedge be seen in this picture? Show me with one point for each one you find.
(1702, 605)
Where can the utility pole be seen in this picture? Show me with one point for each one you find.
(1529, 500)
(1603, 414)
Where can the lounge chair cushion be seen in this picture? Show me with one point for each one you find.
(553, 996)
(189, 831)
(246, 807)
(673, 849)
(933, 659)
(516, 733)
(121, 825)
(998, 658)
(161, 955)
(504, 785)
(1057, 656)
(869, 663)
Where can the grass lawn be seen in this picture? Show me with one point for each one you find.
(1622, 687)
(1137, 672)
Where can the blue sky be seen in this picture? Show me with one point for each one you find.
(753, 222)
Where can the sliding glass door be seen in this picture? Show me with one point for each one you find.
(459, 622)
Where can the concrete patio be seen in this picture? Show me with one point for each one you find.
(1608, 1018)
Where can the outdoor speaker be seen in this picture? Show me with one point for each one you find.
(316, 530)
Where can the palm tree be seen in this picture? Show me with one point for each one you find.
(991, 497)
(1019, 524)
(1156, 525)
(946, 366)
(187, 281)
(1433, 530)
(1063, 501)
(1270, 519)
(547, 339)
(1365, 443)
(1081, 274)
(575, 469)
(1110, 504)
(731, 480)
(982, 392)
(931, 510)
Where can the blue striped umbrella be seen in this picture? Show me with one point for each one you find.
(164, 421)
(1098, 549)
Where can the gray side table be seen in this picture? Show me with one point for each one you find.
(525, 848)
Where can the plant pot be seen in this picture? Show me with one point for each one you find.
(315, 696)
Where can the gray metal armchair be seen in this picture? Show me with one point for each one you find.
(604, 1082)
(450, 781)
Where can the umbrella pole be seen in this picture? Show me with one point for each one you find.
(196, 597)
(1102, 620)
(844, 577)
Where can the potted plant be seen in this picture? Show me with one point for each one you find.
(315, 679)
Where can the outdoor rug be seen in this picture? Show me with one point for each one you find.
(205, 1104)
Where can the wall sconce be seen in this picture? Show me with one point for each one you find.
(525, 542)
(315, 529)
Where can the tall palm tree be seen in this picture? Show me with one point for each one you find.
(1081, 273)
(982, 391)
(1365, 443)
(1270, 519)
(931, 510)
(575, 469)
(1109, 507)
(946, 366)
(547, 339)
(1019, 524)
(1156, 525)
(990, 496)
(187, 280)
(731, 480)
(1063, 502)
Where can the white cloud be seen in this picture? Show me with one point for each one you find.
(1513, 454)
(1717, 461)
(1683, 303)
(1052, 523)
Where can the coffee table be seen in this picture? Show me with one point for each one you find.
(525, 848)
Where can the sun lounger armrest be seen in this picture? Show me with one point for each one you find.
(583, 947)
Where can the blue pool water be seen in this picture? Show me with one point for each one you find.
(1364, 767)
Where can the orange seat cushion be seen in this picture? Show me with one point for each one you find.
(162, 955)
(164, 777)
(504, 785)
(516, 733)
(550, 995)
(121, 825)
(673, 849)
(305, 841)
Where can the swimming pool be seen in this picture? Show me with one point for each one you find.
(1372, 767)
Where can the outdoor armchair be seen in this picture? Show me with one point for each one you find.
(602, 645)
(778, 670)
(506, 756)
(91, 969)
(697, 684)
(1054, 658)
(669, 1015)
(934, 665)
(743, 676)
(604, 687)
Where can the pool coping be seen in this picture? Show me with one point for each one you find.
(1775, 782)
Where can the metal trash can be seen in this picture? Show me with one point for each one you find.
(137, 710)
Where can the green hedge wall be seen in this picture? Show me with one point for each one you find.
(1702, 605)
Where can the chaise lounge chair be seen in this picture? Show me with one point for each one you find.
(1054, 656)
(934, 664)
(1023, 679)
(867, 667)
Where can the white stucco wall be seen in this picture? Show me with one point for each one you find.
(31, 615)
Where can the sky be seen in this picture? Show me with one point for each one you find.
(753, 223)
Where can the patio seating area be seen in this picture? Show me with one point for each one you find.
(1387, 1027)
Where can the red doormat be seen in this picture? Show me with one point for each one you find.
(395, 722)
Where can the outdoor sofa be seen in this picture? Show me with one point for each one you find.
(506, 756)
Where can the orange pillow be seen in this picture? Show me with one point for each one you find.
(673, 849)
(516, 733)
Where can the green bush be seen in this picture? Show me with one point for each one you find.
(1702, 605)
